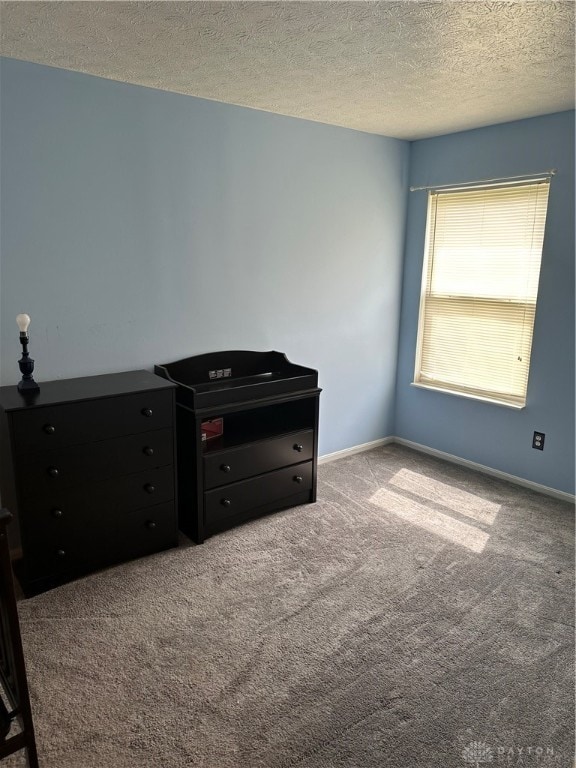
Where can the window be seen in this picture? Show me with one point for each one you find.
(479, 287)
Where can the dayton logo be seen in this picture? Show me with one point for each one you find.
(477, 752)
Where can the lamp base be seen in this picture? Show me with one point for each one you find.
(26, 364)
(28, 385)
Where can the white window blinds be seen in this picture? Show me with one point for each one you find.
(479, 288)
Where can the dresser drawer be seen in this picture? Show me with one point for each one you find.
(42, 429)
(96, 503)
(257, 492)
(60, 468)
(68, 546)
(223, 467)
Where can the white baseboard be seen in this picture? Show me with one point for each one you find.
(562, 495)
(487, 470)
(355, 449)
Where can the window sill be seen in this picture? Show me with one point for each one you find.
(468, 396)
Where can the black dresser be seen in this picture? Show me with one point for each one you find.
(266, 457)
(88, 469)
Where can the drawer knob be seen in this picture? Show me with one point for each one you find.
(225, 467)
(146, 412)
(149, 488)
(150, 524)
(49, 429)
(61, 553)
(298, 478)
(53, 472)
(298, 447)
(225, 502)
(148, 450)
(57, 513)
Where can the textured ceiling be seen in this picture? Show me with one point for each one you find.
(405, 69)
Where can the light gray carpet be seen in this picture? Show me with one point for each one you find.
(415, 609)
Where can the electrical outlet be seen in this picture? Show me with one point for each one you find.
(538, 441)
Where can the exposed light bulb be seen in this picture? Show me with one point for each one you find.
(23, 322)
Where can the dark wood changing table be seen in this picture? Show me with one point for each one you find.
(266, 458)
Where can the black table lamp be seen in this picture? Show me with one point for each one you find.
(27, 384)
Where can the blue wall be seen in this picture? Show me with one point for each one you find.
(139, 226)
(492, 435)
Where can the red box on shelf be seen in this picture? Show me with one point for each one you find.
(212, 428)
